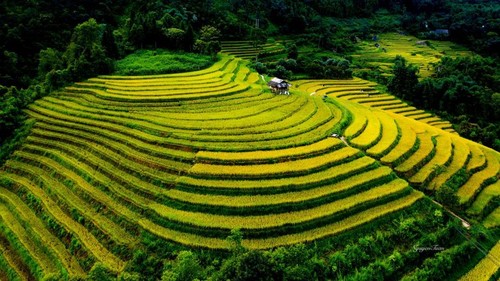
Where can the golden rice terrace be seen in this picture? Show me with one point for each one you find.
(188, 157)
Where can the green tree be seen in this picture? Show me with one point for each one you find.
(235, 240)
(297, 262)
(447, 196)
(185, 268)
(293, 51)
(281, 72)
(404, 80)
(148, 266)
(250, 266)
(258, 37)
(49, 59)
(175, 37)
(85, 55)
(208, 42)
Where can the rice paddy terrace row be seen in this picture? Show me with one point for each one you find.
(420, 147)
(248, 50)
(188, 157)
(363, 93)
(381, 52)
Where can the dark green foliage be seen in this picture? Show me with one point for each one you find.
(427, 240)
(293, 51)
(249, 266)
(234, 240)
(147, 62)
(458, 179)
(439, 267)
(186, 267)
(86, 56)
(473, 23)
(12, 101)
(465, 90)
(325, 67)
(492, 204)
(31, 26)
(100, 273)
(152, 24)
(282, 72)
(319, 67)
(49, 59)
(298, 262)
(447, 196)
(147, 266)
(209, 41)
(260, 67)
(405, 80)
(14, 141)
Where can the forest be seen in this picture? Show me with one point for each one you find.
(49, 45)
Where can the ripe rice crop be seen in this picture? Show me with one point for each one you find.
(268, 155)
(461, 154)
(38, 228)
(337, 227)
(370, 135)
(417, 159)
(274, 220)
(478, 159)
(478, 180)
(493, 219)
(289, 167)
(276, 184)
(187, 157)
(390, 136)
(487, 194)
(443, 156)
(485, 269)
(275, 199)
(87, 239)
(406, 144)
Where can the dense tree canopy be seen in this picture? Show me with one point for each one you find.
(463, 90)
(31, 26)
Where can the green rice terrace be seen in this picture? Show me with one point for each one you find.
(188, 157)
(380, 53)
(250, 50)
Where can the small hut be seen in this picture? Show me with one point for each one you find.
(279, 86)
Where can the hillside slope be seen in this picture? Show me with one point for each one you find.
(188, 157)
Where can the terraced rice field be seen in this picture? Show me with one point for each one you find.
(392, 44)
(363, 92)
(189, 157)
(486, 267)
(425, 154)
(248, 50)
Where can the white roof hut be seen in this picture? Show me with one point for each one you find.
(278, 85)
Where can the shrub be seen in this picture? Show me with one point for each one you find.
(147, 62)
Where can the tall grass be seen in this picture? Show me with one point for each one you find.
(148, 62)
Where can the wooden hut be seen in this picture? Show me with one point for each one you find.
(279, 86)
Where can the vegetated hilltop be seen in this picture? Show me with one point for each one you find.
(120, 168)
